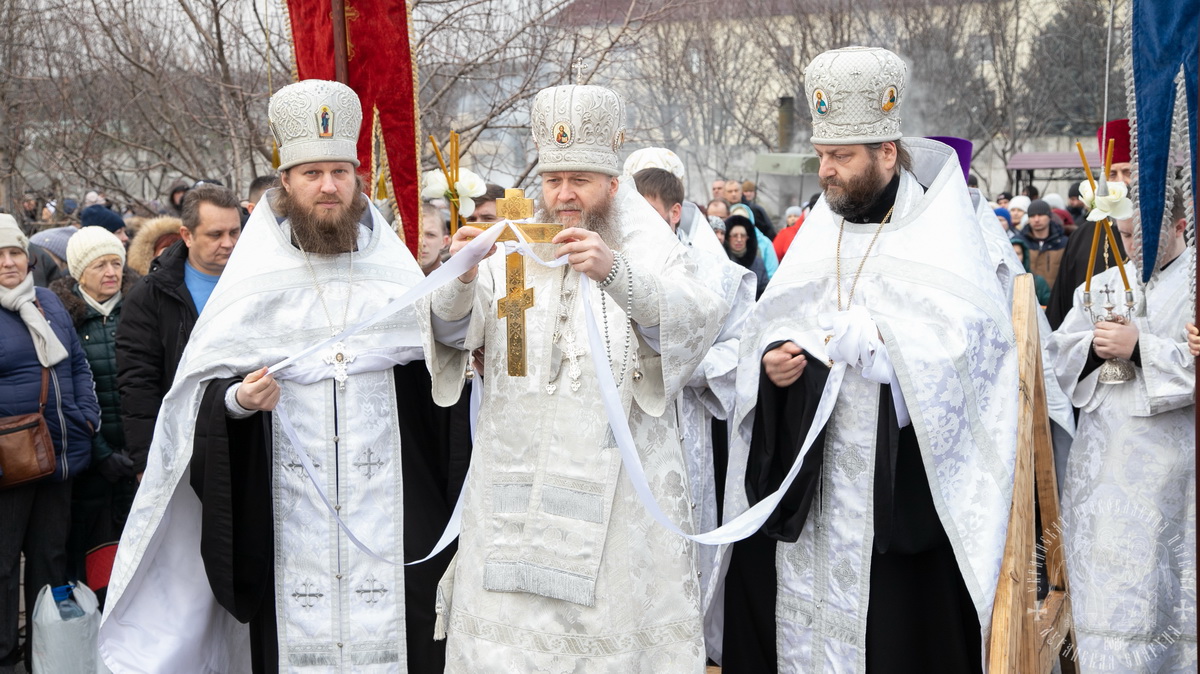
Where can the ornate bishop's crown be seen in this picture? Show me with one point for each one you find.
(578, 128)
(854, 95)
(315, 120)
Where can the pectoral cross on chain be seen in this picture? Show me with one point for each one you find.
(512, 307)
(339, 357)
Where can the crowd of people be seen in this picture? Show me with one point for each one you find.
(243, 500)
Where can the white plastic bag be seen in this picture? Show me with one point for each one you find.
(65, 647)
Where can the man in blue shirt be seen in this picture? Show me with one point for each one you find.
(158, 316)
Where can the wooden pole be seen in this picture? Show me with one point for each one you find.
(1028, 636)
(341, 69)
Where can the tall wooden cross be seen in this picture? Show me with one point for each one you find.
(512, 307)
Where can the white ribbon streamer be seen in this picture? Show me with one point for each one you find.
(456, 266)
(735, 530)
(452, 527)
(741, 526)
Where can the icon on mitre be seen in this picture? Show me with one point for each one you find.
(562, 134)
(889, 99)
(325, 122)
(819, 102)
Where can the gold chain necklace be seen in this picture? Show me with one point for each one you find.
(854, 285)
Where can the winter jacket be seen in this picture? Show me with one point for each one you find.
(97, 335)
(1040, 286)
(157, 317)
(783, 240)
(148, 238)
(43, 267)
(1046, 254)
(72, 413)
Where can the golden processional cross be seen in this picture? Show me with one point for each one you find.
(512, 307)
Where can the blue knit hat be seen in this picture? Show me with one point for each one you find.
(1003, 212)
(102, 216)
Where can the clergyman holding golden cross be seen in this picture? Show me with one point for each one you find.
(546, 511)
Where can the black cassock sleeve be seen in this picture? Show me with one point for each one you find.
(231, 474)
(783, 418)
(904, 515)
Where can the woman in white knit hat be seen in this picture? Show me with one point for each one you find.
(102, 494)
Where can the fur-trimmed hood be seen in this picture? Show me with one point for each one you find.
(76, 307)
(141, 249)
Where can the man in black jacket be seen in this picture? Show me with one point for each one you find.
(160, 311)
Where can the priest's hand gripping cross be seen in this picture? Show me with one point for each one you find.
(512, 307)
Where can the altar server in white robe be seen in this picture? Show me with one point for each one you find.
(885, 552)
(1129, 497)
(560, 567)
(1008, 267)
(709, 394)
(229, 526)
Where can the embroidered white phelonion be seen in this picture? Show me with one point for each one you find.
(1113, 202)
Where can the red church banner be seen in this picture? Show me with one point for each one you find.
(382, 73)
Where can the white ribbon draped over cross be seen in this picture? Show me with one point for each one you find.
(735, 530)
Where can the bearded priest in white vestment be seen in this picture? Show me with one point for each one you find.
(560, 567)
(884, 554)
(229, 527)
(1129, 496)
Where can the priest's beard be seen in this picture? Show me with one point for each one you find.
(323, 233)
(599, 219)
(853, 198)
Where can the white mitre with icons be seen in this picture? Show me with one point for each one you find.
(578, 128)
(854, 95)
(315, 120)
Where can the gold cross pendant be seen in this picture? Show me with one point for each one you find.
(512, 307)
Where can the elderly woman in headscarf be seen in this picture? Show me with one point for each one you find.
(742, 247)
(92, 295)
(765, 250)
(35, 517)
(718, 227)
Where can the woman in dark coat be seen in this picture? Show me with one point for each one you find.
(35, 517)
(93, 293)
(741, 246)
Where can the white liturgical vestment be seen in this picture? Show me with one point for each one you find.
(1128, 509)
(560, 568)
(337, 609)
(932, 291)
(710, 394)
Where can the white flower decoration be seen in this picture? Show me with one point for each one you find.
(434, 184)
(469, 185)
(1116, 204)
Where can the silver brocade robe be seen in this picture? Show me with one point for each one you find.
(710, 394)
(1008, 267)
(932, 290)
(337, 610)
(559, 567)
(1129, 493)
